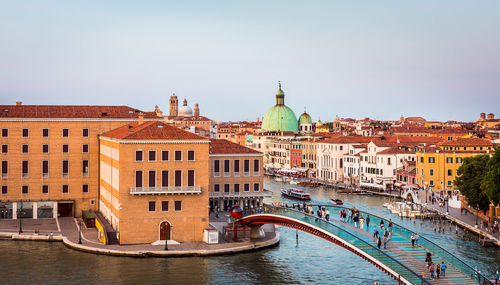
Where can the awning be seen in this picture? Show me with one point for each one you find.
(374, 185)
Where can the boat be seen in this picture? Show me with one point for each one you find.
(296, 194)
(294, 182)
(337, 201)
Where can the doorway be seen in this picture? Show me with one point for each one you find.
(65, 209)
(165, 230)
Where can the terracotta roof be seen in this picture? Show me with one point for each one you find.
(70, 111)
(151, 130)
(220, 146)
(467, 142)
(395, 150)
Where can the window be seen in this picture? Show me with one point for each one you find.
(256, 187)
(4, 189)
(85, 188)
(65, 168)
(138, 155)
(152, 206)
(388, 161)
(178, 178)
(65, 188)
(164, 178)
(65, 133)
(5, 133)
(45, 169)
(164, 155)
(25, 167)
(431, 182)
(216, 168)
(191, 155)
(432, 159)
(178, 155)
(45, 148)
(178, 205)
(85, 168)
(5, 148)
(421, 159)
(459, 160)
(25, 148)
(226, 188)
(449, 160)
(431, 172)
(450, 172)
(65, 148)
(226, 168)
(152, 155)
(5, 169)
(256, 167)
(449, 182)
(216, 187)
(164, 206)
(190, 177)
(236, 168)
(246, 187)
(85, 148)
(45, 133)
(236, 188)
(138, 178)
(152, 178)
(85, 132)
(25, 189)
(246, 167)
(26, 133)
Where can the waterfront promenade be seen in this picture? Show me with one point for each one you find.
(66, 230)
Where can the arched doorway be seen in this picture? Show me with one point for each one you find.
(165, 230)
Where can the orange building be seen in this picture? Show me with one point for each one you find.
(50, 157)
(236, 175)
(154, 183)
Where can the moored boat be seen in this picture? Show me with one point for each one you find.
(337, 201)
(296, 194)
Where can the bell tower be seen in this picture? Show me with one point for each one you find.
(196, 110)
(174, 106)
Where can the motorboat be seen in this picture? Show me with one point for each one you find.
(294, 182)
(296, 194)
(337, 201)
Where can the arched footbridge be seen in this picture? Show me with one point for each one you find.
(400, 260)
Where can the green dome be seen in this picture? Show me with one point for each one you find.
(280, 118)
(305, 119)
(280, 92)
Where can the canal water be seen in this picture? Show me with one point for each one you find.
(308, 260)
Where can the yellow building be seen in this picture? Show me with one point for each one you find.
(437, 165)
(154, 183)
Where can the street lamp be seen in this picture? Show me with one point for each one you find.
(79, 232)
(20, 214)
(166, 240)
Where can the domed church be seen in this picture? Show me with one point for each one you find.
(280, 117)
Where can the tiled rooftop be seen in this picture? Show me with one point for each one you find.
(219, 146)
(70, 111)
(151, 130)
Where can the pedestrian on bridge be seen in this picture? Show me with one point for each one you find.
(412, 240)
(375, 232)
(379, 242)
(361, 222)
(368, 223)
(497, 278)
(327, 215)
(443, 268)
(438, 271)
(431, 270)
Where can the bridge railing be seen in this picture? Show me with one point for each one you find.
(431, 246)
(362, 245)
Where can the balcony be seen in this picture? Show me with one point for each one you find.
(216, 174)
(45, 175)
(165, 190)
(25, 175)
(244, 194)
(227, 174)
(85, 174)
(5, 175)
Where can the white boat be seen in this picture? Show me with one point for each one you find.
(294, 182)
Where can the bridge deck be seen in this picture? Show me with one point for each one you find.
(399, 247)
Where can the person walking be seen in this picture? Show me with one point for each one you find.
(443, 268)
(379, 242)
(361, 222)
(428, 258)
(438, 271)
(375, 232)
(416, 238)
(368, 223)
(412, 240)
(497, 278)
(431, 270)
(356, 219)
(423, 276)
(327, 215)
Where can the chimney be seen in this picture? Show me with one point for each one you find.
(141, 119)
(19, 103)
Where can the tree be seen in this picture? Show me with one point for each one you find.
(491, 181)
(469, 179)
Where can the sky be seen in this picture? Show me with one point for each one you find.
(378, 59)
